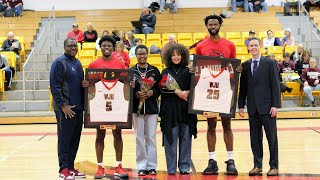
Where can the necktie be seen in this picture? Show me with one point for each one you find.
(255, 67)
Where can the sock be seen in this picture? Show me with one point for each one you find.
(118, 163)
(100, 164)
(212, 155)
(230, 155)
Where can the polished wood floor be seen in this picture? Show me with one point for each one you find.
(30, 152)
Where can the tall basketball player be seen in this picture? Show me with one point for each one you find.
(107, 61)
(217, 46)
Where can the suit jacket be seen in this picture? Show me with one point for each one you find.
(262, 91)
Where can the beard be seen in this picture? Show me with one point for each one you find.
(213, 34)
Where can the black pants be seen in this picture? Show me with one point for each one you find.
(307, 5)
(69, 132)
(290, 4)
(270, 127)
(283, 87)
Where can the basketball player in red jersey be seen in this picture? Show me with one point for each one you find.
(217, 46)
(107, 61)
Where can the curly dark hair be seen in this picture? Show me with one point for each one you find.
(179, 49)
(107, 38)
(219, 18)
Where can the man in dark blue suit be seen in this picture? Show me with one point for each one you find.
(260, 91)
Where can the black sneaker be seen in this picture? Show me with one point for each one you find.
(212, 168)
(314, 103)
(184, 172)
(152, 172)
(231, 167)
(142, 173)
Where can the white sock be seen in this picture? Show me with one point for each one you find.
(230, 155)
(100, 164)
(118, 163)
(212, 155)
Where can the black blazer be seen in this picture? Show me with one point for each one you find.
(262, 91)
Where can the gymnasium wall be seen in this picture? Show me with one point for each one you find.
(45, 5)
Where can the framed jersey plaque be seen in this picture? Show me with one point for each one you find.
(214, 86)
(107, 99)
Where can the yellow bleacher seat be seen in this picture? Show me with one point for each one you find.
(233, 35)
(295, 90)
(133, 61)
(242, 50)
(243, 58)
(86, 57)
(154, 39)
(263, 51)
(198, 36)
(85, 61)
(278, 57)
(279, 34)
(290, 49)
(315, 93)
(3, 38)
(99, 54)
(245, 35)
(262, 35)
(2, 80)
(88, 46)
(221, 34)
(165, 37)
(237, 42)
(275, 49)
(185, 38)
(142, 37)
(11, 58)
(154, 59)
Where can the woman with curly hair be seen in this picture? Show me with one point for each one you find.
(176, 124)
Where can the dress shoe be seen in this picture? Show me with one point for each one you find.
(289, 90)
(255, 172)
(273, 172)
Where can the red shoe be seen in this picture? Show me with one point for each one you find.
(75, 173)
(100, 173)
(65, 175)
(120, 172)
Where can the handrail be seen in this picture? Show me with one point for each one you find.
(24, 65)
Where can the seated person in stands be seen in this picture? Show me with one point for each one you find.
(125, 41)
(115, 33)
(16, 5)
(303, 63)
(3, 5)
(291, 3)
(287, 39)
(240, 3)
(283, 87)
(310, 78)
(270, 40)
(170, 4)
(296, 55)
(132, 52)
(76, 33)
(90, 35)
(148, 20)
(4, 66)
(251, 35)
(120, 54)
(310, 3)
(11, 44)
(103, 33)
(286, 65)
(171, 40)
(131, 39)
(257, 6)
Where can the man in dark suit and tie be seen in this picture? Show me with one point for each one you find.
(260, 91)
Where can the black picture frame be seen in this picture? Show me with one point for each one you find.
(200, 62)
(122, 75)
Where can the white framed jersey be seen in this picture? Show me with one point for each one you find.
(213, 91)
(109, 104)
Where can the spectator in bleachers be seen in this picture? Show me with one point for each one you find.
(287, 39)
(3, 5)
(296, 55)
(289, 4)
(251, 35)
(12, 44)
(131, 38)
(90, 35)
(257, 6)
(132, 52)
(286, 65)
(16, 5)
(241, 3)
(148, 20)
(115, 33)
(310, 78)
(171, 40)
(120, 54)
(5, 66)
(283, 87)
(303, 63)
(310, 3)
(169, 4)
(270, 40)
(103, 33)
(76, 33)
(125, 41)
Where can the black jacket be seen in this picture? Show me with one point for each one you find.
(149, 19)
(151, 105)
